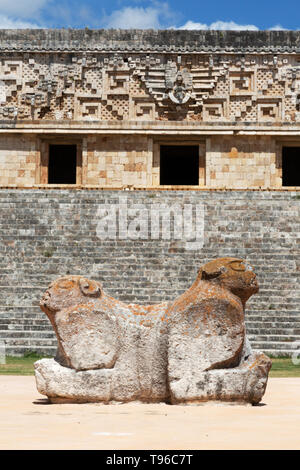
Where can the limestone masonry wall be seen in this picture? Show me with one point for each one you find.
(119, 161)
(116, 161)
(18, 160)
(48, 233)
(117, 94)
(242, 163)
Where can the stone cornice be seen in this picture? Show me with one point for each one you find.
(150, 128)
(152, 41)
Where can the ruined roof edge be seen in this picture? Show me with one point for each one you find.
(149, 40)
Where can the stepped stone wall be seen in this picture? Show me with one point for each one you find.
(48, 233)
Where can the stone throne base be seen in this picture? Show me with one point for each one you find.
(243, 384)
(192, 350)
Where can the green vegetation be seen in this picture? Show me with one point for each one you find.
(282, 367)
(19, 365)
(48, 253)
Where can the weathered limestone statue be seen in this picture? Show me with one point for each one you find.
(188, 351)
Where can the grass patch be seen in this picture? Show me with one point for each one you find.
(19, 365)
(282, 367)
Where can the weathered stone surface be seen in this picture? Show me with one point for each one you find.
(132, 39)
(206, 323)
(95, 331)
(58, 382)
(84, 341)
(191, 350)
(245, 383)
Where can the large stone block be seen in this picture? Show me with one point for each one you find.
(190, 350)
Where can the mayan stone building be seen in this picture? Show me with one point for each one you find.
(172, 116)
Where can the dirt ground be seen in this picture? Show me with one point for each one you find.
(26, 422)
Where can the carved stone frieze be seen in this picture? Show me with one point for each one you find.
(144, 80)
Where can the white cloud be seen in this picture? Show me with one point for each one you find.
(153, 17)
(20, 14)
(133, 17)
(193, 25)
(159, 15)
(219, 25)
(9, 23)
(231, 25)
(156, 17)
(21, 8)
(277, 27)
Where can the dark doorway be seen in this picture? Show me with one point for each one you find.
(179, 165)
(62, 164)
(291, 166)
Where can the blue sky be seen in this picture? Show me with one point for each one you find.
(189, 14)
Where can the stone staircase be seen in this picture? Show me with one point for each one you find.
(275, 335)
(26, 330)
(45, 234)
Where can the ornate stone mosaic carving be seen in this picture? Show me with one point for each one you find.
(131, 77)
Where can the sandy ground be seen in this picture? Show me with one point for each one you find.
(26, 422)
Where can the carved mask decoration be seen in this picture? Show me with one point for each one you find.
(179, 84)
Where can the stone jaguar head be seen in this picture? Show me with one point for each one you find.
(67, 291)
(234, 274)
